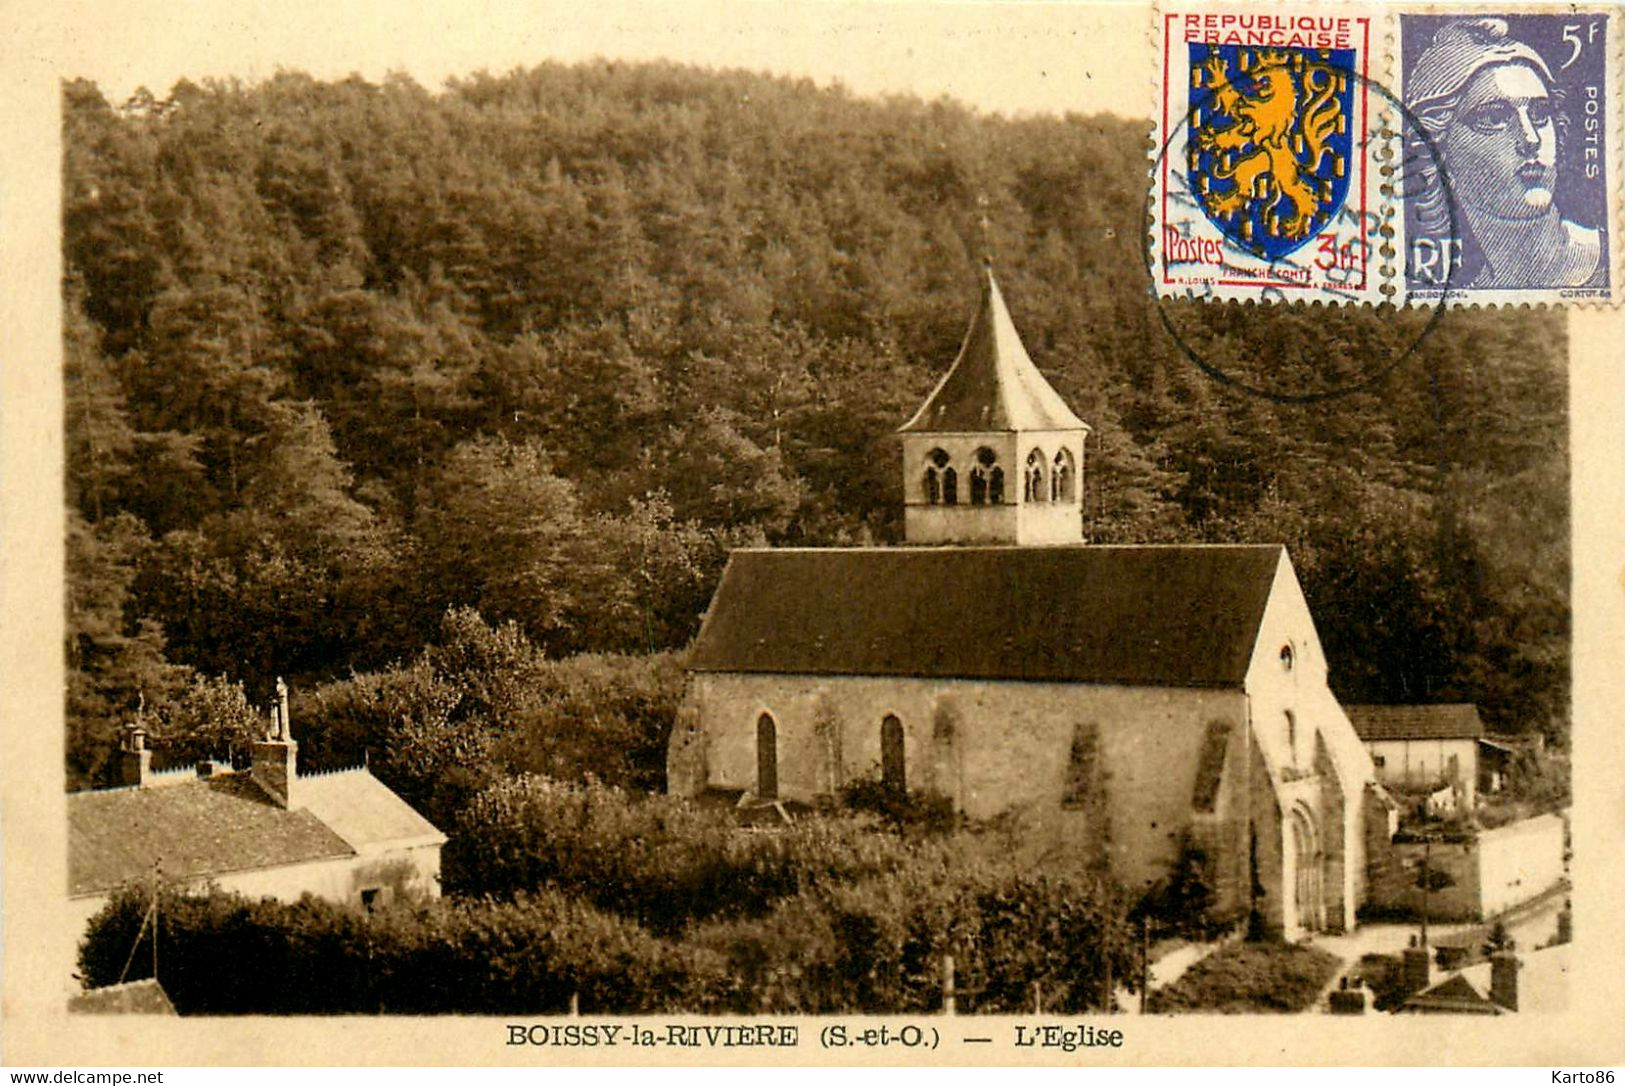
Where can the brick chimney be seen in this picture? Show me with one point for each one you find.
(135, 758)
(1414, 970)
(275, 758)
(1504, 966)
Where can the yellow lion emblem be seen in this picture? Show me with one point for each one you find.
(1267, 140)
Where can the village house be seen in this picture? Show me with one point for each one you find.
(268, 832)
(1508, 983)
(1431, 750)
(1136, 707)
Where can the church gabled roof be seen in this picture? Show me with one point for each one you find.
(993, 384)
(1145, 616)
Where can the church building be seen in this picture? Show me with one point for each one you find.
(1136, 708)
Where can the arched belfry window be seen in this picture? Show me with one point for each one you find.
(1061, 477)
(995, 486)
(981, 492)
(978, 485)
(767, 758)
(893, 768)
(936, 460)
(1035, 490)
(950, 487)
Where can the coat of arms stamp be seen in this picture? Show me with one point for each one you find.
(1269, 155)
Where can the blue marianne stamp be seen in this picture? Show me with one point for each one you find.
(1511, 173)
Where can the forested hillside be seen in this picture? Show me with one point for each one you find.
(342, 358)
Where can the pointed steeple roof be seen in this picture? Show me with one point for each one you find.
(992, 385)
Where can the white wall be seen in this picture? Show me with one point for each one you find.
(1420, 761)
(399, 873)
(1519, 861)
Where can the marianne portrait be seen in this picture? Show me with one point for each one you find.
(1502, 192)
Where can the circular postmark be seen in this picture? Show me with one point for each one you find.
(1372, 233)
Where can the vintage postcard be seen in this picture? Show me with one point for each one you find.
(770, 535)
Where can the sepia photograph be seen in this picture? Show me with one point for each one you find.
(669, 533)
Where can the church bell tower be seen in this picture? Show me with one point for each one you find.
(994, 455)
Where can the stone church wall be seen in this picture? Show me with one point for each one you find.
(1307, 743)
(996, 747)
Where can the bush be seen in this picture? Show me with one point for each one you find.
(877, 946)
(223, 954)
(608, 717)
(210, 718)
(411, 726)
(1181, 903)
(647, 903)
(484, 702)
(653, 859)
(1251, 978)
(1384, 975)
(909, 812)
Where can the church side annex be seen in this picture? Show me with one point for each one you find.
(1134, 706)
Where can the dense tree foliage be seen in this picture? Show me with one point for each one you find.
(341, 356)
(832, 917)
(483, 704)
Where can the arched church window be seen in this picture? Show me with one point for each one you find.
(950, 487)
(767, 757)
(978, 485)
(995, 487)
(893, 768)
(1061, 477)
(1034, 488)
(1292, 735)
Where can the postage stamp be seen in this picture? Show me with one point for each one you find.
(1272, 134)
(1421, 154)
(1508, 186)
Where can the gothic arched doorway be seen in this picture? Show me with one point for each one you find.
(1309, 864)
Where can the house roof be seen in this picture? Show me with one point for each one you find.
(203, 827)
(363, 810)
(134, 997)
(993, 384)
(1373, 722)
(1456, 995)
(227, 823)
(1543, 985)
(1158, 616)
(1543, 978)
